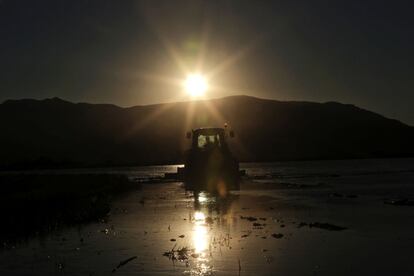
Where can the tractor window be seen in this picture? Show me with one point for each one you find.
(208, 141)
(202, 141)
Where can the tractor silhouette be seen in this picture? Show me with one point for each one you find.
(209, 163)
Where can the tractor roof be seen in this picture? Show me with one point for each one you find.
(208, 130)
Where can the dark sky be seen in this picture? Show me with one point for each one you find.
(125, 52)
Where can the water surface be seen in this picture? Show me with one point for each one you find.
(263, 229)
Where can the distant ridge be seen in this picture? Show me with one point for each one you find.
(57, 133)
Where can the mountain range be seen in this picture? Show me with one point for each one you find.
(56, 133)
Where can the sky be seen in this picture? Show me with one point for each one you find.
(138, 52)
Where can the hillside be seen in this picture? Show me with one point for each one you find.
(54, 133)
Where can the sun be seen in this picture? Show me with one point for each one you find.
(196, 85)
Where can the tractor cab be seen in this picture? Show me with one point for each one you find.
(208, 139)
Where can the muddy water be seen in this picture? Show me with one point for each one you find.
(280, 223)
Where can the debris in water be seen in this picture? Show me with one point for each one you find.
(246, 235)
(277, 236)
(343, 195)
(400, 202)
(173, 240)
(249, 218)
(300, 225)
(300, 186)
(105, 231)
(122, 263)
(181, 236)
(181, 254)
(327, 226)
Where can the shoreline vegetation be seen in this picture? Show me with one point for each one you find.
(37, 204)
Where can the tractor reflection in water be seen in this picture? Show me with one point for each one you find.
(209, 164)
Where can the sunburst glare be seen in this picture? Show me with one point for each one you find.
(196, 85)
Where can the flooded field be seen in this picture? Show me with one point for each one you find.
(292, 218)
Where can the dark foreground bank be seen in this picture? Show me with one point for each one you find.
(37, 204)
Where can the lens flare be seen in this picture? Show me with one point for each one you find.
(196, 85)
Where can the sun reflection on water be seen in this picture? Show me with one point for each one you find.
(200, 238)
(199, 217)
(200, 233)
(202, 197)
